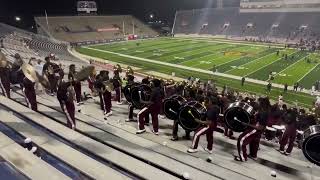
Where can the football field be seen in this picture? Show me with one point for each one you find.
(242, 59)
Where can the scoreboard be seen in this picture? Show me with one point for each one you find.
(87, 6)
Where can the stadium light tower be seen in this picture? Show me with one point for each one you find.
(17, 18)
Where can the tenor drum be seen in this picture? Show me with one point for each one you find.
(172, 105)
(186, 120)
(142, 92)
(311, 144)
(279, 130)
(270, 133)
(238, 111)
(127, 91)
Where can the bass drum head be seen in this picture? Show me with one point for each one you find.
(127, 91)
(145, 95)
(236, 113)
(186, 120)
(311, 144)
(172, 105)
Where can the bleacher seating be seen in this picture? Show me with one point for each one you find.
(93, 28)
(191, 22)
(30, 45)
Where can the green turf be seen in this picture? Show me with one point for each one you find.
(236, 58)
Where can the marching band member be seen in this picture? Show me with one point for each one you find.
(207, 127)
(280, 100)
(251, 136)
(117, 86)
(153, 108)
(66, 97)
(50, 75)
(30, 93)
(130, 79)
(104, 94)
(290, 134)
(77, 84)
(4, 76)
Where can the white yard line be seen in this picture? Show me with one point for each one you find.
(308, 72)
(291, 65)
(251, 61)
(267, 65)
(195, 69)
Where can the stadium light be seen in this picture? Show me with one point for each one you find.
(17, 18)
(151, 16)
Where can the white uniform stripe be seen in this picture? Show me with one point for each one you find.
(138, 115)
(3, 89)
(67, 113)
(243, 138)
(26, 98)
(197, 134)
(104, 104)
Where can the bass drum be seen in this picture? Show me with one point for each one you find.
(172, 105)
(311, 144)
(127, 91)
(238, 111)
(145, 93)
(186, 120)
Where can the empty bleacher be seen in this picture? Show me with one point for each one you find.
(93, 28)
(192, 21)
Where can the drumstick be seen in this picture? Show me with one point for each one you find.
(139, 94)
(172, 111)
(191, 113)
(236, 119)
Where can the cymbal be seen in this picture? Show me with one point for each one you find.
(43, 80)
(29, 72)
(84, 73)
(108, 85)
(3, 60)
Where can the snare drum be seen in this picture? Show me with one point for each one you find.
(172, 105)
(238, 111)
(311, 144)
(186, 120)
(127, 91)
(279, 130)
(270, 133)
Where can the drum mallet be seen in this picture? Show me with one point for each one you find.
(173, 111)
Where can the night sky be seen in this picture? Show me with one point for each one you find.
(163, 9)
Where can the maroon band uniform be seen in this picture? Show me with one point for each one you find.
(212, 115)
(251, 137)
(77, 87)
(65, 98)
(30, 94)
(5, 81)
(290, 134)
(153, 109)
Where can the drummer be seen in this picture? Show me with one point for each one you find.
(153, 108)
(4, 76)
(207, 127)
(290, 134)
(251, 136)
